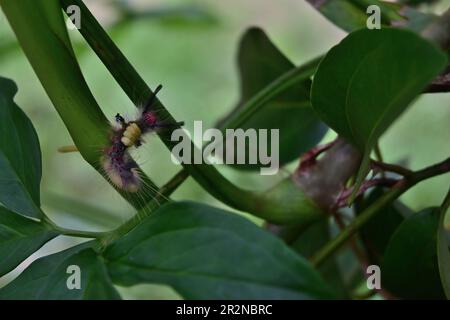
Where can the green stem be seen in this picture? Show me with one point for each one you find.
(207, 176)
(41, 31)
(446, 204)
(174, 182)
(401, 187)
(279, 85)
(164, 192)
(71, 232)
(378, 153)
(108, 236)
(138, 92)
(286, 81)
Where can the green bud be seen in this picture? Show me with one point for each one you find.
(287, 204)
(312, 191)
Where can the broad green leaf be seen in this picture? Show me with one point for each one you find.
(443, 250)
(365, 82)
(351, 15)
(410, 267)
(19, 238)
(388, 220)
(260, 63)
(47, 278)
(20, 156)
(208, 253)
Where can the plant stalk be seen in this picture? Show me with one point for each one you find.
(41, 31)
(137, 90)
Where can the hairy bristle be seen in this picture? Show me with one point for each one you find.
(122, 172)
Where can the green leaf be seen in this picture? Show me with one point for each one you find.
(410, 267)
(351, 15)
(208, 253)
(20, 156)
(47, 277)
(388, 220)
(365, 82)
(19, 238)
(443, 253)
(260, 63)
(342, 13)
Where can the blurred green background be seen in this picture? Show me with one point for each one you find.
(190, 46)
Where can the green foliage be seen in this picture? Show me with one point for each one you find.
(360, 88)
(365, 82)
(47, 278)
(20, 156)
(179, 246)
(19, 238)
(351, 15)
(311, 240)
(48, 49)
(388, 220)
(43, 36)
(260, 63)
(410, 269)
(207, 253)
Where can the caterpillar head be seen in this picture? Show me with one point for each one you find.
(150, 119)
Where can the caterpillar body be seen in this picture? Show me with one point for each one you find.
(117, 163)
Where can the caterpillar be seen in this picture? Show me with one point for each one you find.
(116, 161)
